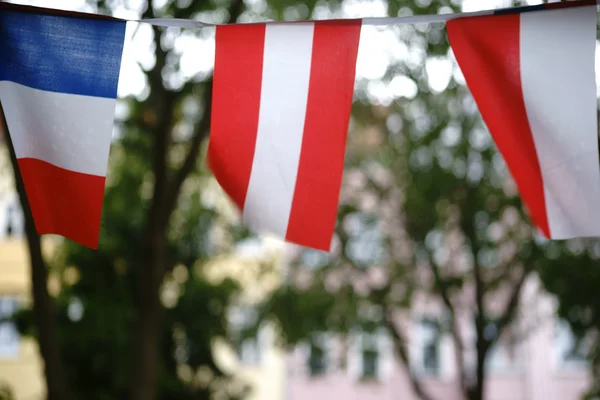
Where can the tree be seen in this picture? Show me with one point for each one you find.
(96, 303)
(168, 181)
(119, 337)
(149, 232)
(432, 177)
(428, 210)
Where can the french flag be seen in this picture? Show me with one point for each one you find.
(531, 74)
(282, 96)
(58, 86)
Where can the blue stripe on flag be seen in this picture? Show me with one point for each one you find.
(520, 10)
(61, 54)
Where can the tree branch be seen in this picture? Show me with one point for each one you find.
(510, 310)
(479, 294)
(482, 345)
(399, 342)
(164, 108)
(146, 358)
(145, 364)
(454, 327)
(200, 132)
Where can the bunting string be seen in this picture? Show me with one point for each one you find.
(383, 21)
(369, 21)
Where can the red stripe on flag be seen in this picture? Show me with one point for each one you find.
(236, 102)
(316, 196)
(64, 202)
(488, 52)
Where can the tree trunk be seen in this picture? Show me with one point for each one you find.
(146, 361)
(145, 367)
(400, 342)
(478, 392)
(147, 334)
(43, 307)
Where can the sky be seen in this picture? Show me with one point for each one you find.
(379, 47)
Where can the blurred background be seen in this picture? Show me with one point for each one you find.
(436, 288)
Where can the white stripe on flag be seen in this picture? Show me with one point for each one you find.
(285, 78)
(70, 131)
(557, 67)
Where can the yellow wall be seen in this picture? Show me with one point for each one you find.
(257, 278)
(22, 373)
(266, 380)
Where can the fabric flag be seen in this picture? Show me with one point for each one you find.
(532, 77)
(281, 107)
(58, 87)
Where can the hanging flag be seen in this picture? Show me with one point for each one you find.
(58, 87)
(281, 107)
(532, 77)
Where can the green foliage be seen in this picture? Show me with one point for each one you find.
(313, 306)
(427, 204)
(6, 392)
(96, 312)
(96, 304)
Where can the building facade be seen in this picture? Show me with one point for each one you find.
(255, 360)
(20, 362)
(542, 365)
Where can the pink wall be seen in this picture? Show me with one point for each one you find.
(538, 374)
(333, 388)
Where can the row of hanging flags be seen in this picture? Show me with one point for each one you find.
(282, 97)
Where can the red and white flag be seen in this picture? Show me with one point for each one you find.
(281, 106)
(532, 77)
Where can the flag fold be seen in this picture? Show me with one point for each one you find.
(532, 77)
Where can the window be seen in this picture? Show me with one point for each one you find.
(568, 352)
(370, 357)
(318, 355)
(427, 353)
(11, 217)
(317, 363)
(370, 361)
(9, 336)
(431, 346)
